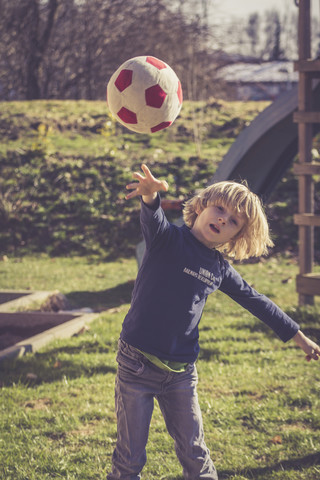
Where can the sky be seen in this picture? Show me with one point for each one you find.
(228, 13)
(230, 16)
(243, 8)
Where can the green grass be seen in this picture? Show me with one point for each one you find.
(259, 398)
(86, 128)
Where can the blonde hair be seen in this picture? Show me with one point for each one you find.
(253, 239)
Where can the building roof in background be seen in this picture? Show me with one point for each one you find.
(274, 72)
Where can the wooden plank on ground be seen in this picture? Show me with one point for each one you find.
(36, 342)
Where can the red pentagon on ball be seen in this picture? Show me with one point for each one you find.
(124, 80)
(161, 126)
(179, 93)
(127, 116)
(156, 63)
(155, 96)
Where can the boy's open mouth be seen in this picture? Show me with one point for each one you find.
(214, 228)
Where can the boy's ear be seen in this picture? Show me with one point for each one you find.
(198, 209)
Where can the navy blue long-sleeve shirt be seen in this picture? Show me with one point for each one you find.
(176, 276)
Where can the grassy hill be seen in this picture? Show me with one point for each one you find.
(64, 165)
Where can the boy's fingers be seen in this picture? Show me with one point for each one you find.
(137, 176)
(164, 185)
(146, 170)
(148, 174)
(131, 195)
(130, 186)
(145, 183)
(314, 355)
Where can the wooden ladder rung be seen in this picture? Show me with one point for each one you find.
(307, 65)
(307, 220)
(308, 284)
(312, 168)
(306, 117)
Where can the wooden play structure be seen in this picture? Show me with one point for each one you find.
(307, 282)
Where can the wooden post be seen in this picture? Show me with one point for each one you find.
(306, 189)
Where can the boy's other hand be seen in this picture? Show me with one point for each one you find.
(310, 348)
(146, 186)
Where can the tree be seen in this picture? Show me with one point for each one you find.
(70, 48)
(273, 31)
(252, 31)
(25, 29)
(289, 34)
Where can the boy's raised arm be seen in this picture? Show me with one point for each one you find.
(147, 186)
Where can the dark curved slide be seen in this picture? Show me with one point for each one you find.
(266, 148)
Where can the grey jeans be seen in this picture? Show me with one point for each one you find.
(138, 382)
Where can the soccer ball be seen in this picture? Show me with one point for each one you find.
(144, 94)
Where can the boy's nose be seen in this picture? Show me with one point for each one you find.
(222, 219)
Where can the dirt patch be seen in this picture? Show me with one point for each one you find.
(39, 404)
(16, 327)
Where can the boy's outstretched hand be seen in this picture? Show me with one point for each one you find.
(310, 348)
(146, 187)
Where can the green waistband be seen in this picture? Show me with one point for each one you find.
(176, 367)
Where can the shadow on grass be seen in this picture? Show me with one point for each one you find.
(216, 354)
(286, 465)
(104, 299)
(259, 327)
(307, 321)
(52, 365)
(255, 473)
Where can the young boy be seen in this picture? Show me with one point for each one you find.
(158, 344)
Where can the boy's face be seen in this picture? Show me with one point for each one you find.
(216, 225)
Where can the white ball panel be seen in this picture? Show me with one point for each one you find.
(168, 81)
